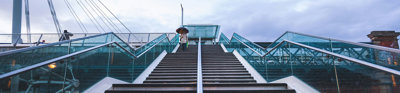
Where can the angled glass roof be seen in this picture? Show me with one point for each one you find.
(203, 31)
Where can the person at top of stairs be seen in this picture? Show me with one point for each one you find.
(183, 37)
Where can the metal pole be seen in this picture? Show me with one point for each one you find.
(28, 23)
(16, 21)
(182, 16)
(334, 66)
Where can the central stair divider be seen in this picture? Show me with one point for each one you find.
(199, 69)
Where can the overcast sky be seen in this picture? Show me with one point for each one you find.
(258, 20)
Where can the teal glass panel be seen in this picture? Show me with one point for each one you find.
(14, 61)
(327, 73)
(323, 72)
(254, 46)
(203, 31)
(75, 73)
(80, 72)
(150, 44)
(223, 39)
(388, 59)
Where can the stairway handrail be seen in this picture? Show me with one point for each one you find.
(151, 46)
(348, 58)
(199, 69)
(225, 38)
(347, 42)
(18, 71)
(329, 53)
(47, 45)
(247, 46)
(50, 61)
(250, 41)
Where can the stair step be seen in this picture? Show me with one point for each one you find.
(228, 77)
(223, 68)
(207, 71)
(175, 68)
(173, 74)
(223, 65)
(172, 77)
(226, 74)
(229, 80)
(175, 71)
(171, 80)
(152, 88)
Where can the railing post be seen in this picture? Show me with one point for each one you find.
(129, 38)
(16, 41)
(38, 42)
(199, 69)
(148, 38)
(83, 41)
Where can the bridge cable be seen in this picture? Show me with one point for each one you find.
(105, 16)
(102, 17)
(54, 16)
(91, 9)
(91, 17)
(116, 18)
(108, 19)
(78, 20)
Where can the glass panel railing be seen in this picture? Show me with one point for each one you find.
(256, 47)
(327, 71)
(76, 73)
(322, 69)
(79, 72)
(150, 44)
(223, 39)
(383, 56)
(28, 56)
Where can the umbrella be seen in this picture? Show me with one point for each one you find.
(182, 29)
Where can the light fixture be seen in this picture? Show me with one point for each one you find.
(52, 65)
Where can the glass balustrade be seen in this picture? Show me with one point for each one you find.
(383, 56)
(316, 66)
(80, 72)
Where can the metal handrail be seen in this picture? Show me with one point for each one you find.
(272, 49)
(250, 42)
(47, 45)
(15, 72)
(248, 46)
(330, 53)
(226, 38)
(18, 71)
(151, 41)
(354, 43)
(277, 39)
(199, 69)
(151, 47)
(83, 33)
(348, 58)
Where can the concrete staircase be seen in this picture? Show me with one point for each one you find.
(222, 73)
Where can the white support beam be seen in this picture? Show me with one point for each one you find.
(295, 83)
(224, 48)
(176, 48)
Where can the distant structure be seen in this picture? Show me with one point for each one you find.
(384, 38)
